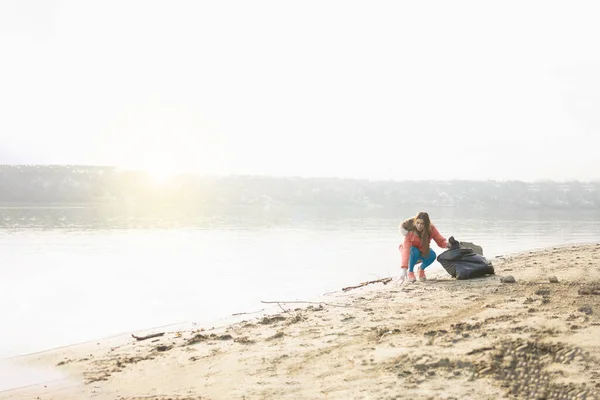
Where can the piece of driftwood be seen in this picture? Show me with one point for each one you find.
(385, 281)
(308, 302)
(152, 335)
(247, 313)
(480, 350)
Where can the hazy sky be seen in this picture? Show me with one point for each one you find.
(367, 89)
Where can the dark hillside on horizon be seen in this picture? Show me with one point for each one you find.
(89, 185)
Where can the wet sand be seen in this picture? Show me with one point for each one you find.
(14, 374)
(538, 337)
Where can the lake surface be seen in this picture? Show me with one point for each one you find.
(65, 280)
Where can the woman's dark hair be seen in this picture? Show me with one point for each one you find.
(425, 235)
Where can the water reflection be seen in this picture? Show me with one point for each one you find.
(314, 217)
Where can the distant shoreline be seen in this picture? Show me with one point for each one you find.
(142, 205)
(79, 186)
(50, 206)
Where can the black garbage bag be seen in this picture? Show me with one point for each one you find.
(464, 263)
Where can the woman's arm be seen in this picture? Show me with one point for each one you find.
(439, 239)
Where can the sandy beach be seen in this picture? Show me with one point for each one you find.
(537, 337)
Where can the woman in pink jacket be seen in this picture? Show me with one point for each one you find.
(419, 231)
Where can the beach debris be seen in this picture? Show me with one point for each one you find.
(571, 317)
(440, 332)
(508, 279)
(271, 320)
(465, 326)
(278, 335)
(296, 318)
(247, 313)
(152, 335)
(528, 300)
(202, 338)
(480, 350)
(320, 303)
(132, 360)
(586, 310)
(381, 331)
(197, 338)
(385, 281)
(244, 340)
(163, 348)
(552, 279)
(593, 289)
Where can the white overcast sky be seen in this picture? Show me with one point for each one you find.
(366, 89)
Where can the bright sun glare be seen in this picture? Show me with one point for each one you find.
(159, 177)
(161, 174)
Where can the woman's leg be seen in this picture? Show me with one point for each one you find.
(426, 263)
(429, 260)
(414, 258)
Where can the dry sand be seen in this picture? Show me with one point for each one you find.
(440, 339)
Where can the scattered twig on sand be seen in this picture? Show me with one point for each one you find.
(307, 302)
(152, 335)
(385, 281)
(480, 350)
(247, 313)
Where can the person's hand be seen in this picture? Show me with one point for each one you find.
(403, 274)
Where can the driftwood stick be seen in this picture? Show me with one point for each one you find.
(152, 335)
(385, 281)
(480, 350)
(306, 302)
(247, 313)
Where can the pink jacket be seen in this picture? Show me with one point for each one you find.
(413, 240)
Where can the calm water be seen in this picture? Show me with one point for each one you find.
(82, 281)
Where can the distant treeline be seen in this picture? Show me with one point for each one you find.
(68, 185)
